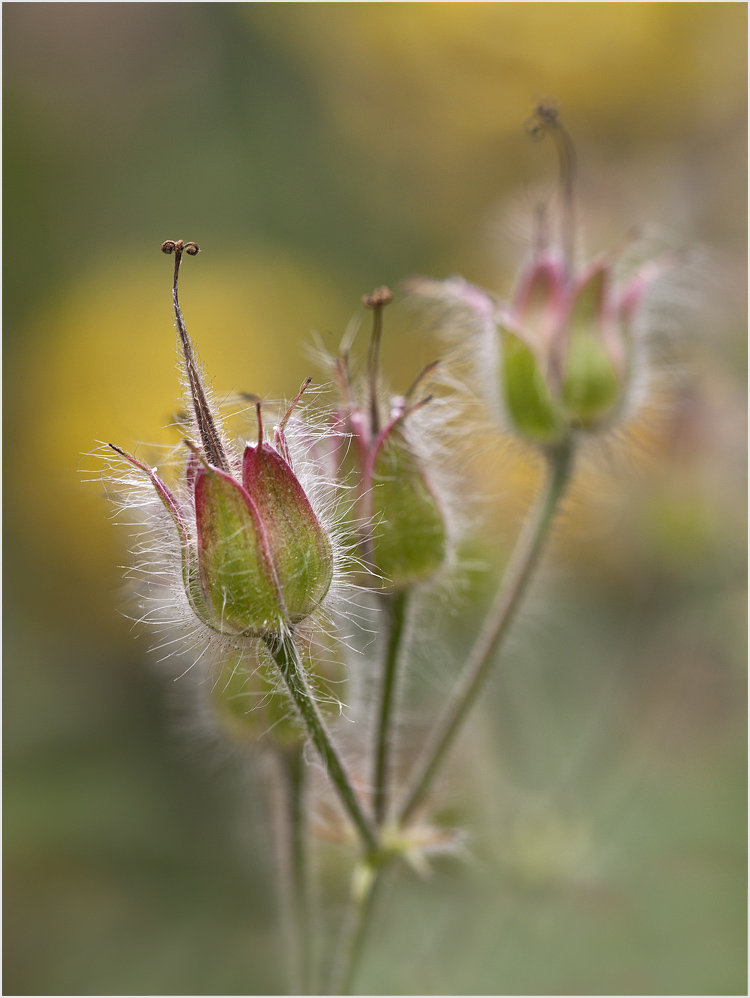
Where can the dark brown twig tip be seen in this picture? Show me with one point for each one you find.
(379, 298)
(178, 245)
(544, 118)
(547, 111)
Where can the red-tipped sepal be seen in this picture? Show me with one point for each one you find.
(235, 561)
(302, 552)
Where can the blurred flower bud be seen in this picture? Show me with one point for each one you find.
(248, 704)
(566, 357)
(408, 531)
(564, 344)
(248, 707)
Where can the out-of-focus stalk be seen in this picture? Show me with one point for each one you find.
(366, 880)
(529, 546)
(482, 656)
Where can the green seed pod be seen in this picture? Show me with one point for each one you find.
(235, 561)
(302, 552)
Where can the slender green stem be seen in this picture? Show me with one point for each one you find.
(482, 656)
(286, 656)
(365, 882)
(394, 607)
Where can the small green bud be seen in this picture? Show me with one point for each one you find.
(591, 387)
(409, 538)
(397, 520)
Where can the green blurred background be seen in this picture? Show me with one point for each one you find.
(316, 151)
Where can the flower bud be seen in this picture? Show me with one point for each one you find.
(256, 560)
(565, 362)
(567, 353)
(404, 537)
(567, 357)
(408, 534)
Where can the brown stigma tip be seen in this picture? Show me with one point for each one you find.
(178, 245)
(379, 298)
(547, 111)
(543, 118)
